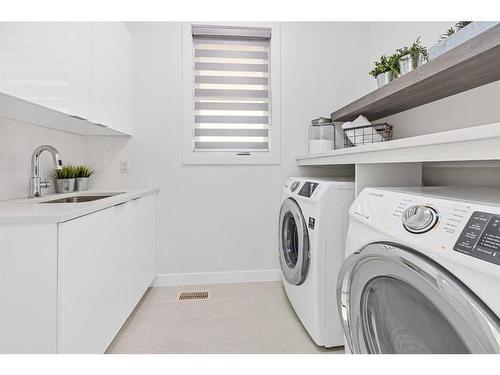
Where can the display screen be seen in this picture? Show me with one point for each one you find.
(308, 189)
(481, 237)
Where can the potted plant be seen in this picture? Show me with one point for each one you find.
(458, 26)
(412, 57)
(461, 32)
(386, 69)
(65, 179)
(82, 177)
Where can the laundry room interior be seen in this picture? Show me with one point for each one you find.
(249, 187)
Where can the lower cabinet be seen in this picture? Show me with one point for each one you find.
(28, 288)
(106, 262)
(68, 288)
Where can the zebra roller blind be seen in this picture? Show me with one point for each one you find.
(231, 88)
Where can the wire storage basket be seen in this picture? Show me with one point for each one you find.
(367, 134)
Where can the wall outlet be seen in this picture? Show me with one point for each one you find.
(124, 166)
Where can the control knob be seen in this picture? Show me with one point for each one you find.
(294, 186)
(419, 219)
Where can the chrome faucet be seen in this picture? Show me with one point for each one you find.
(36, 183)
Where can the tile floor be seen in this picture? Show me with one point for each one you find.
(237, 318)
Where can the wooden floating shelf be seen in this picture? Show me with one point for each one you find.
(474, 143)
(17, 109)
(469, 65)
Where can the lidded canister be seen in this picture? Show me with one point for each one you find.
(321, 135)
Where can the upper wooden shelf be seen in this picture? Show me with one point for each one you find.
(469, 65)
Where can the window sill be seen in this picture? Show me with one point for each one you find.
(204, 159)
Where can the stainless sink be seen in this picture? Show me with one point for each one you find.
(81, 198)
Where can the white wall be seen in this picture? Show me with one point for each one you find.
(224, 218)
(17, 142)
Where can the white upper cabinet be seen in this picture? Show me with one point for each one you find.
(47, 63)
(111, 76)
(81, 69)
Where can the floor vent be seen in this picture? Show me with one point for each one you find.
(190, 296)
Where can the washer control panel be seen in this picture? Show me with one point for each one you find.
(481, 237)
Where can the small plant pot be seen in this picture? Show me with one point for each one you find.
(65, 185)
(384, 78)
(407, 63)
(81, 183)
(421, 60)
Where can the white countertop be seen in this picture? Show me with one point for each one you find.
(33, 211)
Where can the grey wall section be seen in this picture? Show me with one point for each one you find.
(224, 218)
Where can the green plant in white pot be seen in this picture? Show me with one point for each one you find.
(386, 69)
(83, 174)
(65, 179)
(412, 57)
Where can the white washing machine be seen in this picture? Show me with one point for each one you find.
(422, 273)
(313, 223)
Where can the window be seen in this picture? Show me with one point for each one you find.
(231, 94)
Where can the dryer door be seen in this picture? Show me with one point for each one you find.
(293, 242)
(394, 300)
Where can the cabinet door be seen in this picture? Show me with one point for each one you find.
(111, 76)
(47, 63)
(28, 288)
(106, 262)
(144, 239)
(93, 256)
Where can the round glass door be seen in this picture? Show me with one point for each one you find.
(294, 243)
(397, 318)
(393, 300)
(290, 240)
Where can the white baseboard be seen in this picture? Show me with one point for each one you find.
(172, 279)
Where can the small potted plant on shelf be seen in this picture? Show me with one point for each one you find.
(412, 57)
(82, 177)
(65, 179)
(460, 33)
(386, 69)
(452, 30)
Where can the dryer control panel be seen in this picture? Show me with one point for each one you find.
(481, 237)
